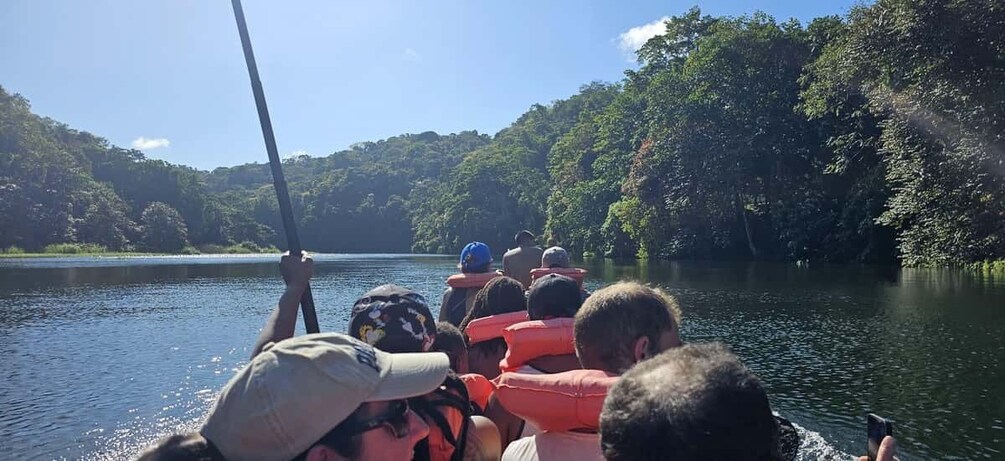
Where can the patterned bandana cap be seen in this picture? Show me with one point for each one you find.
(393, 319)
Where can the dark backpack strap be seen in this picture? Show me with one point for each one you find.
(421, 450)
(459, 399)
(455, 395)
(456, 306)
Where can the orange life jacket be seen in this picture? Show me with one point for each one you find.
(556, 402)
(574, 273)
(472, 280)
(479, 389)
(491, 327)
(529, 340)
(446, 411)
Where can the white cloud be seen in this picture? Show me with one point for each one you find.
(411, 55)
(633, 39)
(142, 143)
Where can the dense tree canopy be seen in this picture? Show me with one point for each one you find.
(872, 138)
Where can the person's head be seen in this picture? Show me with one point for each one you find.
(623, 324)
(555, 257)
(182, 447)
(393, 319)
(475, 258)
(324, 396)
(450, 341)
(524, 238)
(553, 296)
(501, 295)
(692, 402)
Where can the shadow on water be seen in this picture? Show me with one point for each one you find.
(103, 356)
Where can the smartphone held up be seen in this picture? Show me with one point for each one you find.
(877, 428)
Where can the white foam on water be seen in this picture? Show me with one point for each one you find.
(813, 446)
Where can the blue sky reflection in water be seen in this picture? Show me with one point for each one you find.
(105, 355)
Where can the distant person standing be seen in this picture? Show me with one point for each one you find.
(518, 262)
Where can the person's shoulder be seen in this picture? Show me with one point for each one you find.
(582, 446)
(512, 252)
(522, 449)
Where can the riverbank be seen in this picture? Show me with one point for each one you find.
(62, 250)
(63, 255)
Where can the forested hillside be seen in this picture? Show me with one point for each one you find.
(872, 138)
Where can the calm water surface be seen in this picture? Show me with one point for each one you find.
(101, 356)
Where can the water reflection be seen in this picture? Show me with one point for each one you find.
(102, 356)
(835, 342)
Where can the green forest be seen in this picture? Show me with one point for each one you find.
(871, 138)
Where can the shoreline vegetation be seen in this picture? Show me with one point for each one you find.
(58, 250)
(995, 267)
(840, 140)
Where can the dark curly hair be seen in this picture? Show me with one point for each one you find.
(500, 296)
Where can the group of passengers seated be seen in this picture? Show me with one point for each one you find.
(518, 368)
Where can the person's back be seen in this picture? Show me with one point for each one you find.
(581, 446)
(551, 298)
(476, 271)
(623, 324)
(518, 262)
(502, 295)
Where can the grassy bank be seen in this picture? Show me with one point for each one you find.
(90, 249)
(996, 267)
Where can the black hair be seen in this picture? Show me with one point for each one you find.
(500, 296)
(476, 269)
(523, 236)
(340, 439)
(182, 447)
(450, 340)
(553, 296)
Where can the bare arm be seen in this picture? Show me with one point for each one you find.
(483, 441)
(507, 269)
(508, 424)
(282, 323)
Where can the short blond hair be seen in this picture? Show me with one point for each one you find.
(615, 316)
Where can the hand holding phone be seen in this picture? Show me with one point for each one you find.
(877, 429)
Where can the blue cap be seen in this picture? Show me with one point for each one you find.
(475, 256)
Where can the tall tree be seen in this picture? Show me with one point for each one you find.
(164, 228)
(933, 73)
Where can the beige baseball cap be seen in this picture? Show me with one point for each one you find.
(297, 390)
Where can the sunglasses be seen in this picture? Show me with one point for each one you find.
(396, 419)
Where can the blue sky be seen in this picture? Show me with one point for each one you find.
(168, 76)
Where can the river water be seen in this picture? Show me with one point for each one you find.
(101, 356)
